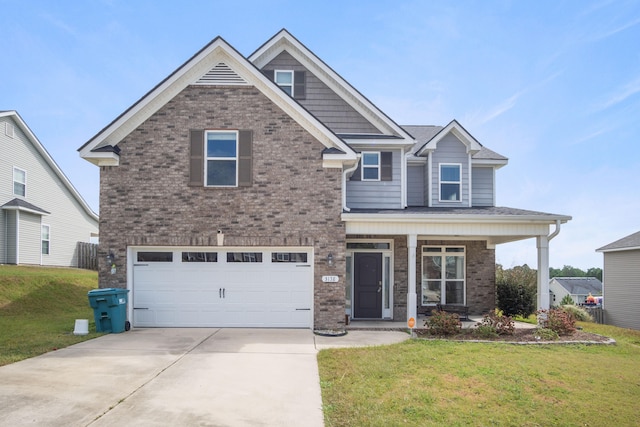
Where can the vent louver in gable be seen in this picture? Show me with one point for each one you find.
(221, 74)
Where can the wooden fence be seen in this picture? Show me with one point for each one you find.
(597, 313)
(88, 255)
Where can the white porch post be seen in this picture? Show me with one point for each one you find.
(412, 299)
(543, 272)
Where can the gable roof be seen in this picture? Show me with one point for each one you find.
(426, 135)
(52, 164)
(580, 285)
(627, 243)
(455, 128)
(217, 63)
(284, 41)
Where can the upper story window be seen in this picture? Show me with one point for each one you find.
(19, 182)
(221, 159)
(450, 182)
(371, 166)
(284, 79)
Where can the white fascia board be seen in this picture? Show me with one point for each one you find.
(23, 209)
(473, 146)
(285, 41)
(47, 157)
(218, 51)
(445, 218)
(104, 159)
(489, 162)
(377, 142)
(630, 248)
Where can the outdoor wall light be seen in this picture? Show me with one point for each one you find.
(111, 257)
(330, 259)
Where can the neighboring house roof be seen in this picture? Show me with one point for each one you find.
(283, 40)
(580, 285)
(630, 242)
(21, 205)
(216, 63)
(47, 158)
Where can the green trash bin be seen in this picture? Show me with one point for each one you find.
(109, 309)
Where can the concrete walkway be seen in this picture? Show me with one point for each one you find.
(178, 377)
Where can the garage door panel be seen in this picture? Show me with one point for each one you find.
(219, 294)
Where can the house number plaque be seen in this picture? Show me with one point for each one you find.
(329, 279)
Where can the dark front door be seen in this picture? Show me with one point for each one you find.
(367, 285)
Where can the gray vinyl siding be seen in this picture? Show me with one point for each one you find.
(482, 186)
(29, 237)
(450, 150)
(415, 185)
(10, 248)
(622, 288)
(322, 102)
(377, 194)
(68, 220)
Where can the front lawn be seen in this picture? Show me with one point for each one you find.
(38, 308)
(424, 383)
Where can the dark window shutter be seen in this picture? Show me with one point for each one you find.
(386, 172)
(299, 84)
(270, 74)
(196, 158)
(245, 158)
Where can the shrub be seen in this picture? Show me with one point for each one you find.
(546, 334)
(558, 320)
(485, 331)
(443, 323)
(516, 299)
(578, 313)
(566, 300)
(498, 322)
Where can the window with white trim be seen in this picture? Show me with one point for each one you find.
(46, 239)
(443, 275)
(370, 166)
(19, 182)
(284, 79)
(450, 182)
(221, 164)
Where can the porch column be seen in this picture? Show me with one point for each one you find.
(412, 299)
(543, 272)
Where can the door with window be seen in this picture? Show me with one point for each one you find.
(443, 275)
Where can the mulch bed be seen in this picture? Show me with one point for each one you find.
(521, 336)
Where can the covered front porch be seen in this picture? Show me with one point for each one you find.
(401, 263)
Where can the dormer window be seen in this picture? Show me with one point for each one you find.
(284, 79)
(371, 166)
(450, 182)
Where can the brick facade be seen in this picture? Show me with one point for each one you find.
(294, 201)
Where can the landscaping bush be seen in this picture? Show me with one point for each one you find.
(443, 323)
(566, 300)
(498, 322)
(516, 299)
(578, 313)
(558, 320)
(485, 331)
(546, 334)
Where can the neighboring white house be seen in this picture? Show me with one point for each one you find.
(42, 216)
(621, 275)
(578, 288)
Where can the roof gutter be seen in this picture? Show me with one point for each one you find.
(556, 231)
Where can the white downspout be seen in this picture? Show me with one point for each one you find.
(344, 184)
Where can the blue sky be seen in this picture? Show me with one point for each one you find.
(552, 85)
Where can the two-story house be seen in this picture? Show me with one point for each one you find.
(42, 217)
(266, 191)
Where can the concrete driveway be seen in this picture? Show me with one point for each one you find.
(181, 377)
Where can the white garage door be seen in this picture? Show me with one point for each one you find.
(222, 288)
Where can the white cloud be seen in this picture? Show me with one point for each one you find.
(624, 92)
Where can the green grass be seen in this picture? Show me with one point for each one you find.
(433, 383)
(38, 308)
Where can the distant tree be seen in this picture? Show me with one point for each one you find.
(516, 290)
(567, 300)
(569, 271)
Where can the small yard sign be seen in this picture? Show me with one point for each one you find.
(411, 322)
